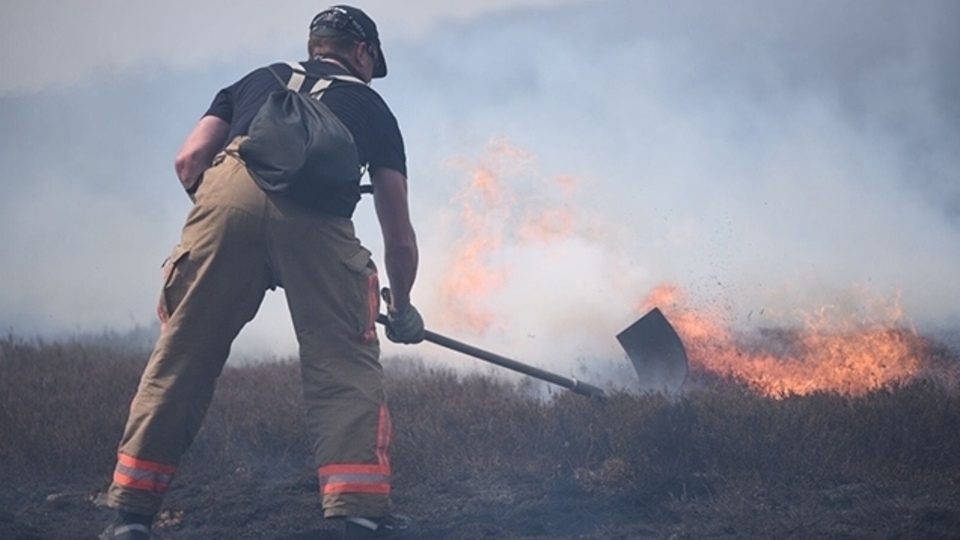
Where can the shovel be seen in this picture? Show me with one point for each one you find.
(651, 343)
(656, 352)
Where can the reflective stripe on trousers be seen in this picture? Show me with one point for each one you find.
(143, 475)
(358, 477)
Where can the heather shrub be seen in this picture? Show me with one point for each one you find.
(62, 408)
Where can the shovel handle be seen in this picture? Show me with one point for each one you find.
(573, 385)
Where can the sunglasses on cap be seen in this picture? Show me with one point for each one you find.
(339, 20)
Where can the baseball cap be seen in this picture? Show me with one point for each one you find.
(342, 19)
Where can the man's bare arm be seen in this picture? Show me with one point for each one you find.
(401, 256)
(199, 148)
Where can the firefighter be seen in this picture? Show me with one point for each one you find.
(239, 241)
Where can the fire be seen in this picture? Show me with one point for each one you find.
(494, 217)
(546, 225)
(829, 353)
(505, 208)
(471, 274)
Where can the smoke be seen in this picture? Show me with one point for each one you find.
(768, 160)
(47, 43)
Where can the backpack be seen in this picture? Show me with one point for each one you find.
(297, 145)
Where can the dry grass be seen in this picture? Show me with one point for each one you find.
(62, 406)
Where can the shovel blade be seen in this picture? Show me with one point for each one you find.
(656, 352)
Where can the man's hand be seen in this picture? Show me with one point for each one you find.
(404, 325)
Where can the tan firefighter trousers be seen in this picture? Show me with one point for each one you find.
(236, 242)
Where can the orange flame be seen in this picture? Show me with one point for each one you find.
(471, 275)
(848, 356)
(543, 225)
(492, 217)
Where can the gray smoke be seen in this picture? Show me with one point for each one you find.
(766, 159)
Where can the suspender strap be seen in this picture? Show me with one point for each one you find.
(318, 88)
(323, 81)
(299, 74)
(296, 77)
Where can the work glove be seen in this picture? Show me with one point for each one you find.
(403, 325)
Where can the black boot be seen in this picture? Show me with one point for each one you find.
(379, 528)
(128, 526)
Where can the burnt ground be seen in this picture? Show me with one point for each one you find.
(475, 459)
(243, 506)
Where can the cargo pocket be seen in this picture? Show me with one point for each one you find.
(361, 264)
(168, 301)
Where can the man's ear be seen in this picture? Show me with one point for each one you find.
(358, 52)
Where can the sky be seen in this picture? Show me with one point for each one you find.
(566, 158)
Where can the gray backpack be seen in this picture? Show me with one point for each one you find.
(296, 145)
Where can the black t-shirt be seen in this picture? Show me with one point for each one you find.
(359, 107)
